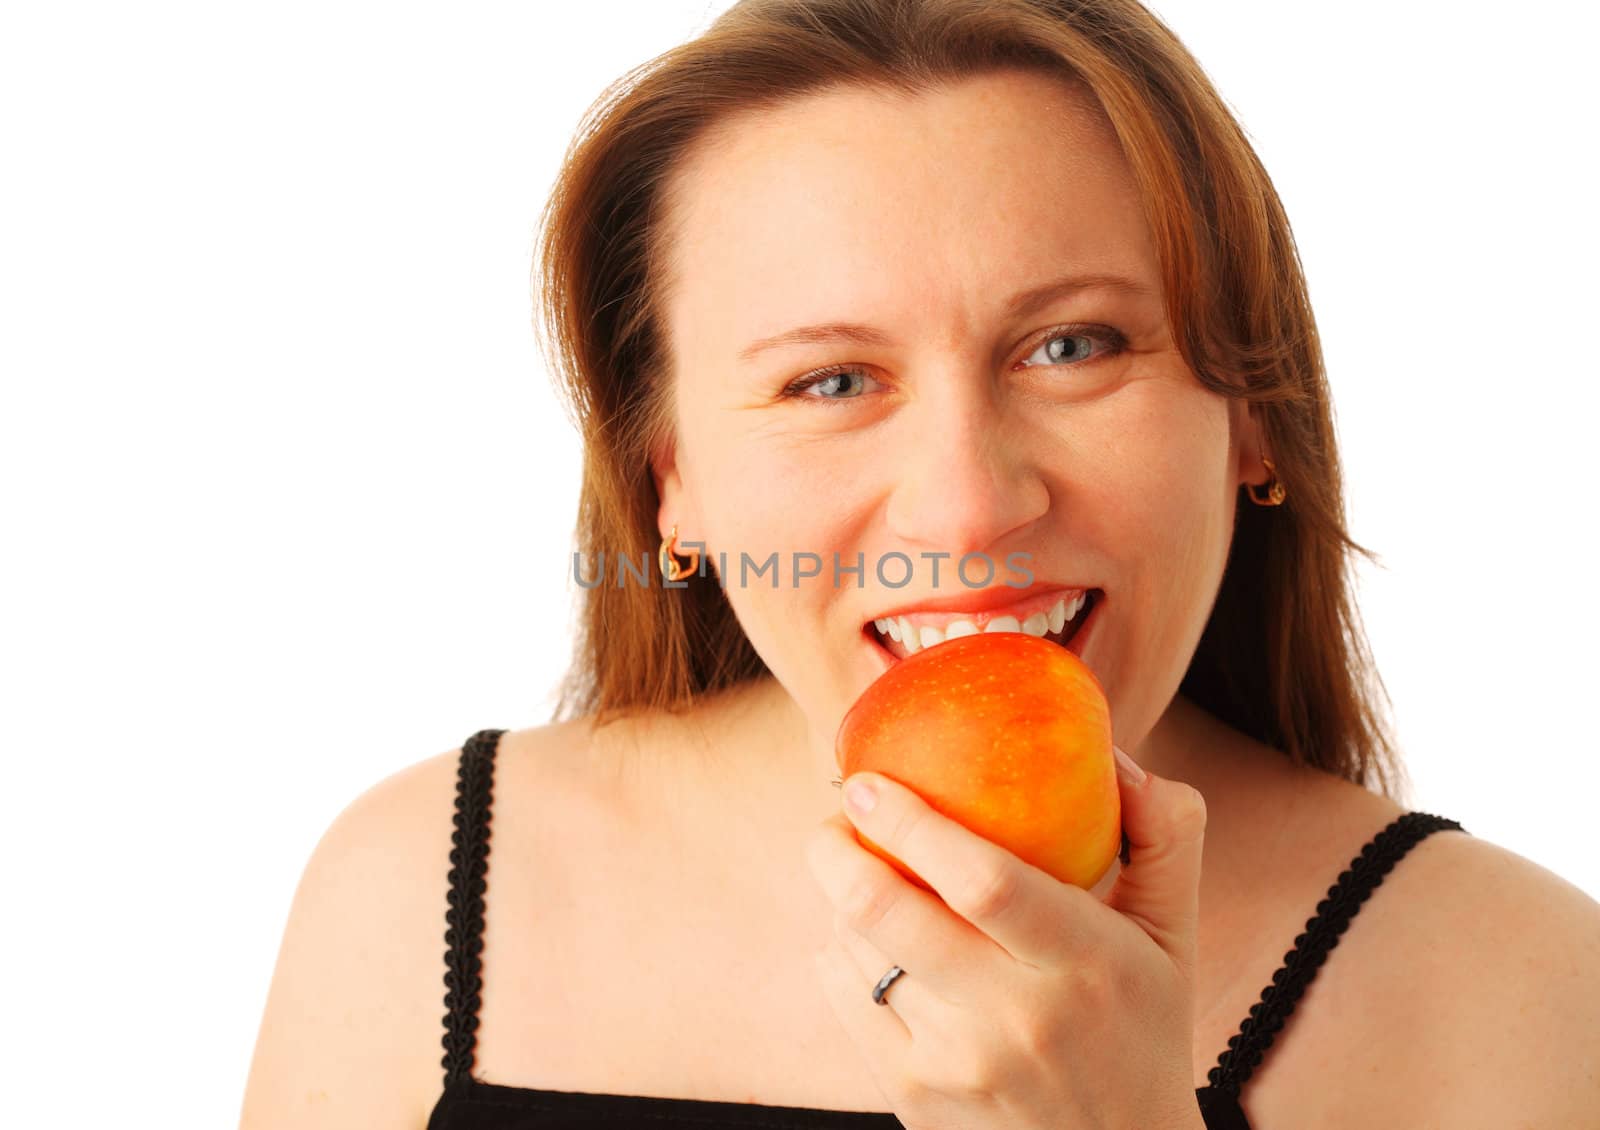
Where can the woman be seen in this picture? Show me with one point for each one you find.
(931, 278)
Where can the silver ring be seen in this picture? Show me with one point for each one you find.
(884, 982)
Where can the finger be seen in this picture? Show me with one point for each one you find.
(907, 996)
(1033, 916)
(1165, 822)
(880, 1036)
(953, 958)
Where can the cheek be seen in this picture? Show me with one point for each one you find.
(1164, 514)
(1170, 505)
(758, 498)
(763, 492)
(1167, 468)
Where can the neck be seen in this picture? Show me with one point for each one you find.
(763, 748)
(752, 780)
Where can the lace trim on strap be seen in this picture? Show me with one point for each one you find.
(469, 862)
(1300, 964)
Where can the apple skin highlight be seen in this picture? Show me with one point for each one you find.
(1005, 733)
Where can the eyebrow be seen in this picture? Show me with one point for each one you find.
(1020, 305)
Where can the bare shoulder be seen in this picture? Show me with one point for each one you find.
(1463, 994)
(351, 1033)
(1511, 990)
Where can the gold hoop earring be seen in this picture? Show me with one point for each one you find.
(1275, 493)
(668, 557)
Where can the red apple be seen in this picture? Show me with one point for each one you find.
(1005, 733)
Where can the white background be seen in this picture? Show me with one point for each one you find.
(288, 498)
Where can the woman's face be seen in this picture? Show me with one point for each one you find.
(1066, 428)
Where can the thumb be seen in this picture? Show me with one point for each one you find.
(1159, 886)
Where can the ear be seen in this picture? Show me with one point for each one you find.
(1252, 444)
(673, 502)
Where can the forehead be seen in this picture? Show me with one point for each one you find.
(857, 204)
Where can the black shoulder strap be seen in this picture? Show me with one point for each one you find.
(469, 860)
(1311, 948)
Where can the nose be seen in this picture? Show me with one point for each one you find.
(964, 481)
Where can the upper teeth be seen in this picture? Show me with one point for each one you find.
(915, 638)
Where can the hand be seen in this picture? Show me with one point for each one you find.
(1026, 1002)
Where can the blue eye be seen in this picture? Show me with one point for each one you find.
(834, 378)
(1116, 343)
(829, 380)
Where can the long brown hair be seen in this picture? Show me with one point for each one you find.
(1283, 657)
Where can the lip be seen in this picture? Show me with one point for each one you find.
(1075, 645)
(997, 599)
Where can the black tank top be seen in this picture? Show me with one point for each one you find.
(467, 1103)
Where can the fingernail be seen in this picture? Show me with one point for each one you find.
(1126, 768)
(860, 796)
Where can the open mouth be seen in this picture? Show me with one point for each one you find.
(1069, 635)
